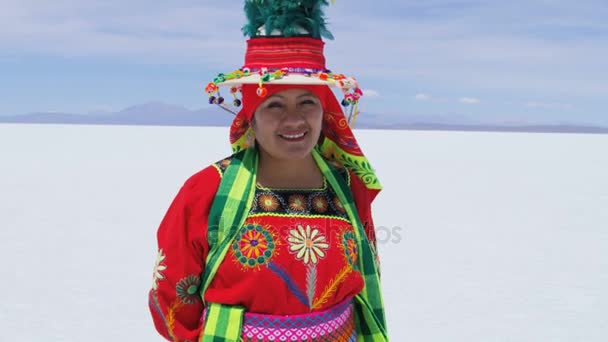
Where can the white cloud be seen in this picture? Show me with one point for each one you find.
(371, 93)
(444, 48)
(469, 100)
(422, 97)
(147, 33)
(470, 46)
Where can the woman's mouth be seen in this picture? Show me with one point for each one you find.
(293, 136)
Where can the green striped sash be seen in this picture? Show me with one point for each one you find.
(223, 323)
(369, 309)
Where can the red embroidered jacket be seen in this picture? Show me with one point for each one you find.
(296, 253)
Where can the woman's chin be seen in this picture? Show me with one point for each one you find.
(291, 151)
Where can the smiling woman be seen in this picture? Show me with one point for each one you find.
(277, 239)
(288, 124)
(286, 127)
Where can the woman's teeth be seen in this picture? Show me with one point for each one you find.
(292, 136)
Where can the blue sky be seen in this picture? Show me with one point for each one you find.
(518, 61)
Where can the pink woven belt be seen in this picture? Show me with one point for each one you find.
(334, 324)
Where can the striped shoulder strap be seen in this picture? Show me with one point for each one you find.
(229, 209)
(228, 212)
(369, 308)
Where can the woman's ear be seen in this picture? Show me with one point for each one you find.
(250, 138)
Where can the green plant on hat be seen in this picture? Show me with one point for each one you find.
(286, 18)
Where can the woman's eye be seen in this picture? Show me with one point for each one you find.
(308, 102)
(274, 105)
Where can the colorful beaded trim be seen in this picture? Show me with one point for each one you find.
(348, 85)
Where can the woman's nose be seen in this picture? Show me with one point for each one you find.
(292, 114)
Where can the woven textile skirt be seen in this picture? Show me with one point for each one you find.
(334, 324)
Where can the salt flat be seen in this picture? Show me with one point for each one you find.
(484, 236)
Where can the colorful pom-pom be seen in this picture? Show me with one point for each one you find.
(323, 76)
(220, 100)
(261, 92)
(220, 78)
(212, 99)
(211, 88)
(237, 103)
(350, 98)
(233, 90)
(348, 83)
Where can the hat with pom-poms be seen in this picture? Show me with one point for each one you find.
(285, 46)
(285, 50)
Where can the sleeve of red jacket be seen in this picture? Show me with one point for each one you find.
(363, 198)
(174, 300)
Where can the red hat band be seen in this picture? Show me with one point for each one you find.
(279, 52)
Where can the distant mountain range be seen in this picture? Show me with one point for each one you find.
(162, 114)
(152, 114)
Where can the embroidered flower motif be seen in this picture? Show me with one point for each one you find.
(187, 289)
(307, 243)
(338, 205)
(319, 204)
(268, 202)
(297, 203)
(225, 162)
(349, 244)
(158, 268)
(253, 246)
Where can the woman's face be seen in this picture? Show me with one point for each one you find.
(288, 124)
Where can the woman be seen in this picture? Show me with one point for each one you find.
(275, 242)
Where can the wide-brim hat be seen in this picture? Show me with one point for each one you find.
(281, 60)
(285, 47)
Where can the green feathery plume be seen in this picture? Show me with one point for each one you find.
(287, 16)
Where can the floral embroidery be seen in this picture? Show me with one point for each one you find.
(158, 268)
(338, 205)
(187, 289)
(311, 284)
(319, 204)
(253, 246)
(349, 245)
(268, 202)
(297, 203)
(222, 165)
(291, 285)
(331, 287)
(307, 243)
(172, 311)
